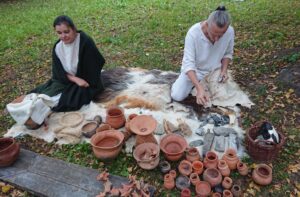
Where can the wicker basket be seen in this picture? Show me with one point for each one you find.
(262, 151)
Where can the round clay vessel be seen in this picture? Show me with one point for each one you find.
(197, 167)
(164, 166)
(143, 125)
(227, 193)
(262, 174)
(89, 129)
(227, 183)
(211, 160)
(107, 144)
(115, 117)
(173, 173)
(130, 117)
(103, 127)
(231, 158)
(194, 178)
(242, 168)
(182, 182)
(147, 155)
(185, 167)
(216, 194)
(203, 188)
(141, 139)
(9, 151)
(173, 146)
(223, 168)
(212, 176)
(192, 154)
(169, 182)
(186, 192)
(236, 191)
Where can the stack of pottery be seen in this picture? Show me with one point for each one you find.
(173, 146)
(9, 151)
(147, 155)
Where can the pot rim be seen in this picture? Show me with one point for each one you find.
(145, 160)
(179, 138)
(7, 139)
(120, 136)
(114, 108)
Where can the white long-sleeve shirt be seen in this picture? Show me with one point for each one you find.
(201, 55)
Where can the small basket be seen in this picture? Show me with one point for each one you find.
(262, 151)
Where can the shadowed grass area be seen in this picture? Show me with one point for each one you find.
(150, 34)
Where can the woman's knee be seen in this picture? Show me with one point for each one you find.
(178, 96)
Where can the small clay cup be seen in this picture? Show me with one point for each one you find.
(227, 183)
(182, 182)
(236, 191)
(223, 168)
(197, 167)
(185, 167)
(89, 129)
(194, 178)
(227, 193)
(242, 168)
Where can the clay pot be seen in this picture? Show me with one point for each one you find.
(115, 117)
(216, 194)
(227, 183)
(147, 155)
(203, 188)
(143, 125)
(194, 178)
(164, 166)
(9, 151)
(262, 174)
(197, 167)
(192, 154)
(185, 193)
(103, 127)
(107, 144)
(169, 182)
(211, 160)
(173, 173)
(89, 129)
(212, 176)
(141, 139)
(231, 158)
(236, 190)
(242, 168)
(182, 182)
(227, 193)
(173, 146)
(130, 117)
(185, 167)
(223, 168)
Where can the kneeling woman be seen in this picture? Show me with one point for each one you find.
(76, 77)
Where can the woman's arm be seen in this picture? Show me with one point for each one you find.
(80, 82)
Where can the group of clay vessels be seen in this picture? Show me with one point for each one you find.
(215, 174)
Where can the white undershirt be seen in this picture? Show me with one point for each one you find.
(68, 55)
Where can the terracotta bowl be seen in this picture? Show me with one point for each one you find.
(107, 144)
(9, 151)
(89, 129)
(147, 155)
(173, 146)
(143, 125)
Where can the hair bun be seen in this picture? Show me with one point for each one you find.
(221, 8)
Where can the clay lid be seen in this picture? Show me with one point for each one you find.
(143, 125)
(71, 119)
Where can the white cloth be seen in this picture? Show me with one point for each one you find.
(68, 55)
(201, 55)
(34, 106)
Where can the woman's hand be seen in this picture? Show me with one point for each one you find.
(80, 82)
(223, 76)
(202, 96)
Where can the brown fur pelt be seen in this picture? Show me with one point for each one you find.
(132, 102)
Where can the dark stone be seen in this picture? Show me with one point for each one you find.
(290, 77)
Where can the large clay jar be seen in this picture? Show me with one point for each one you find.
(262, 174)
(197, 167)
(192, 154)
(212, 176)
(242, 168)
(115, 117)
(9, 151)
(107, 144)
(173, 146)
(185, 167)
(227, 193)
(203, 188)
(147, 155)
(236, 191)
(169, 182)
(186, 192)
(227, 183)
(211, 160)
(231, 158)
(223, 168)
(194, 178)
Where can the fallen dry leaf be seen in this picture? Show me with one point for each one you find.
(294, 168)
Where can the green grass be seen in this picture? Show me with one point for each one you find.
(147, 34)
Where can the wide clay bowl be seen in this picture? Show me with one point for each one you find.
(9, 151)
(143, 125)
(147, 155)
(173, 146)
(107, 144)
